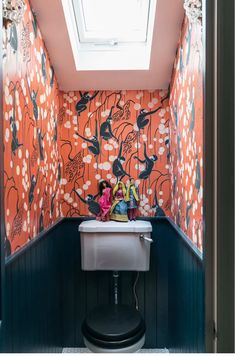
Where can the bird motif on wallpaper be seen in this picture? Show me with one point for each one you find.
(106, 129)
(17, 223)
(61, 116)
(25, 42)
(85, 98)
(95, 145)
(13, 39)
(141, 118)
(46, 197)
(74, 166)
(117, 167)
(149, 164)
(124, 112)
(93, 206)
(129, 142)
(14, 142)
(34, 155)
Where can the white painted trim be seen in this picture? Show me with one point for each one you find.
(72, 28)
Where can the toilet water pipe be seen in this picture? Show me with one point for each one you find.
(116, 289)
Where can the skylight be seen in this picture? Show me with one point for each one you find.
(112, 20)
(110, 34)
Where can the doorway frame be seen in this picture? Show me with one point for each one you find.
(218, 33)
(209, 163)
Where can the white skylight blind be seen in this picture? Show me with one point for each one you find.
(112, 21)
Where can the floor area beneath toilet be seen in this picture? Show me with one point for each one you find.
(85, 350)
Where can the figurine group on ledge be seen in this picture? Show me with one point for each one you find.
(119, 203)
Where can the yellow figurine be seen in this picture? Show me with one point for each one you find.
(132, 198)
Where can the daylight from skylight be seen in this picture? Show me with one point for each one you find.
(123, 20)
(110, 34)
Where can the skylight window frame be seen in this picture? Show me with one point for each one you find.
(105, 56)
(92, 38)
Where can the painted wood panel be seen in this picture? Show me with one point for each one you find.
(32, 308)
(185, 295)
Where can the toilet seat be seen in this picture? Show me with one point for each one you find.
(114, 328)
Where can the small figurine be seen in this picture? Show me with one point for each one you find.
(105, 201)
(132, 198)
(119, 207)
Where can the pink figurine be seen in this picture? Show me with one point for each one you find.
(105, 201)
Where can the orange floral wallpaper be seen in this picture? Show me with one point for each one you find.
(114, 135)
(186, 134)
(31, 155)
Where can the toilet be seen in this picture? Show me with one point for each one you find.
(115, 246)
(114, 328)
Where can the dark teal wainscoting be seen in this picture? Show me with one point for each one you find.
(48, 296)
(185, 294)
(32, 310)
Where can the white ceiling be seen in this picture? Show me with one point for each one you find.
(168, 21)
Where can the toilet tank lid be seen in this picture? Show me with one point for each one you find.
(115, 226)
